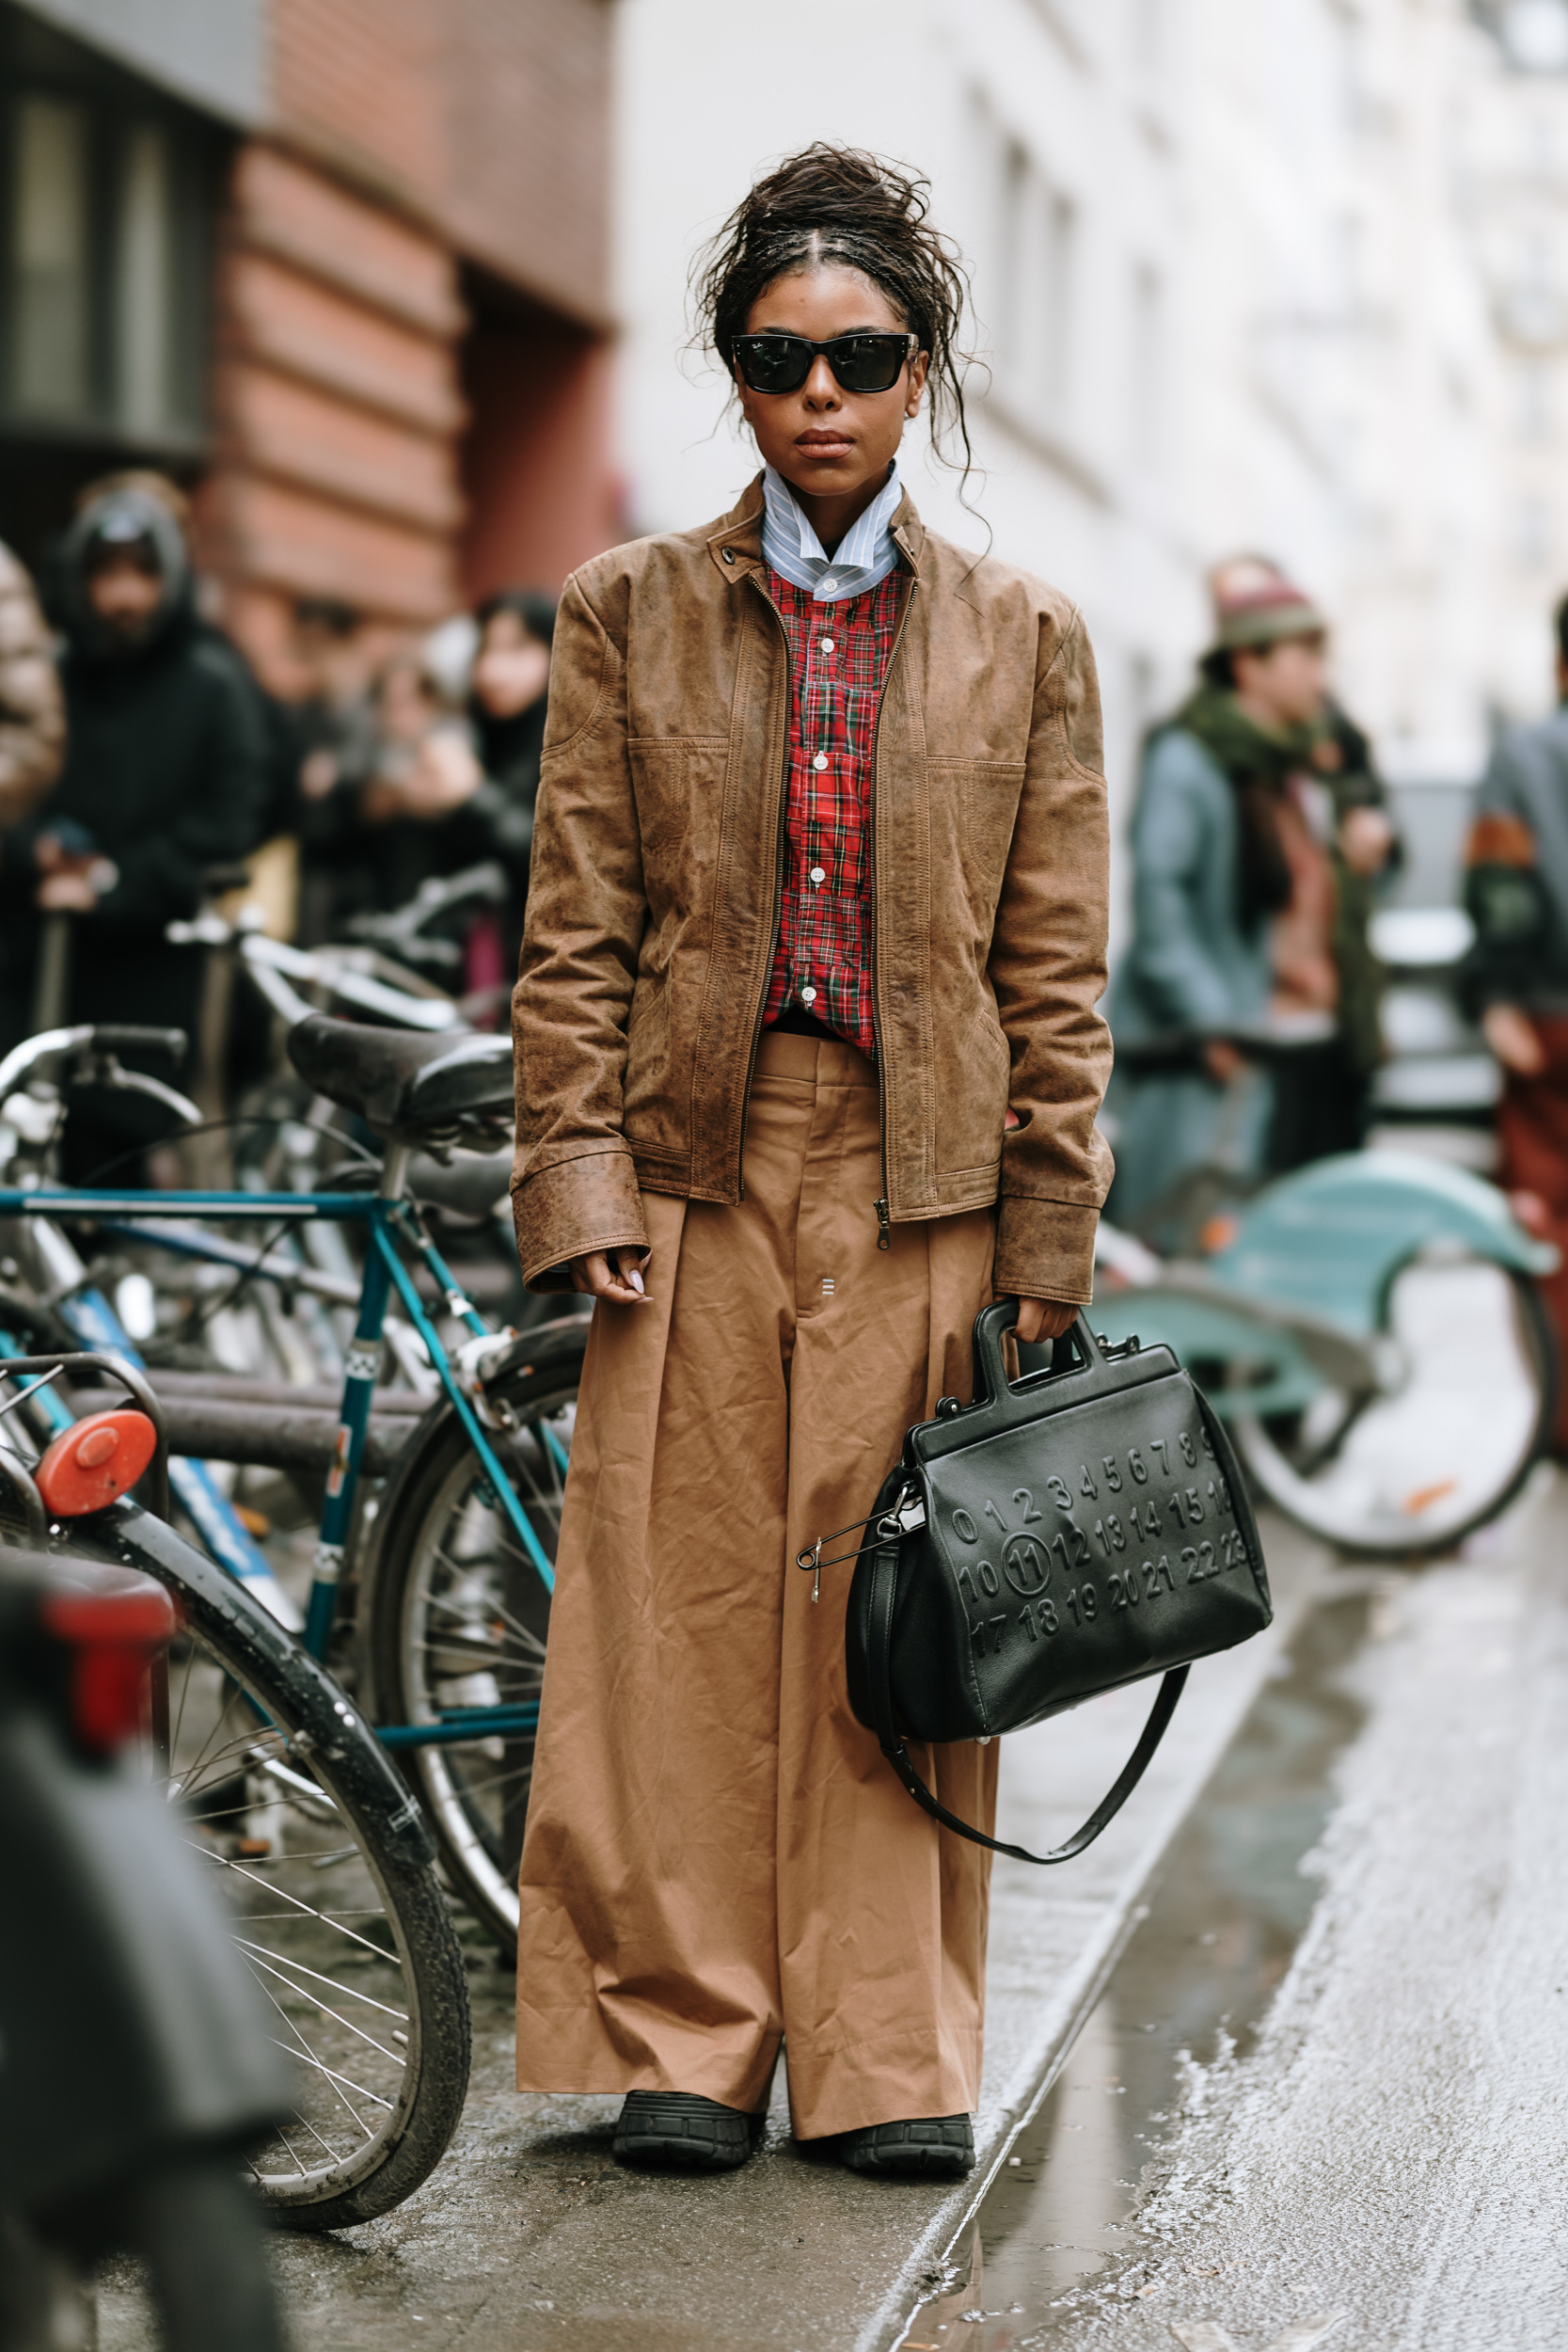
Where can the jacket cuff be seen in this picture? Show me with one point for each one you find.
(563, 1211)
(1045, 1249)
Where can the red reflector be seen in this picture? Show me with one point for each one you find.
(112, 1634)
(95, 1462)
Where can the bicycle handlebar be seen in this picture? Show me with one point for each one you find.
(130, 1037)
(106, 1038)
(487, 883)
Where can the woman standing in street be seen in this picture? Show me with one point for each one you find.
(808, 1063)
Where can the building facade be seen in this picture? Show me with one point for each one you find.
(1247, 276)
(342, 266)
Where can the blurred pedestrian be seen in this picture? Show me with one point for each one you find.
(32, 717)
(508, 705)
(892, 1040)
(1516, 977)
(333, 743)
(163, 780)
(424, 770)
(1246, 1009)
(271, 856)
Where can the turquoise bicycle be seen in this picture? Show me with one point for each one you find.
(432, 1596)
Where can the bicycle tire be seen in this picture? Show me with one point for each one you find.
(263, 1738)
(449, 1558)
(1401, 1534)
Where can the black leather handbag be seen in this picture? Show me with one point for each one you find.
(1064, 1534)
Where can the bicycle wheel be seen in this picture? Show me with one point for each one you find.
(458, 1617)
(328, 1877)
(1418, 1468)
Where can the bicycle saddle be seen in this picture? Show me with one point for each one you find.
(406, 1084)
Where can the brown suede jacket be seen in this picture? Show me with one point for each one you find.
(654, 900)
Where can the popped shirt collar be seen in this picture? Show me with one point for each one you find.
(865, 554)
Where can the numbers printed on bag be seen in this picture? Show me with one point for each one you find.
(1116, 1472)
(1023, 1561)
(1071, 1547)
(1156, 1574)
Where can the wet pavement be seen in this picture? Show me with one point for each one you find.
(530, 2237)
(1304, 2042)
(1373, 2153)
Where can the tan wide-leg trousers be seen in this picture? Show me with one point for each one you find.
(717, 1855)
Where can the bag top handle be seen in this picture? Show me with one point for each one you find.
(992, 1326)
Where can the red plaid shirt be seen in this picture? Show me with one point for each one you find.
(838, 657)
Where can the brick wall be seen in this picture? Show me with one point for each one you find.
(374, 443)
(337, 405)
(490, 115)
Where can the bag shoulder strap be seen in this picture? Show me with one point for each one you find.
(884, 1587)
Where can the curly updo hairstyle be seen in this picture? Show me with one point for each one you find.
(840, 205)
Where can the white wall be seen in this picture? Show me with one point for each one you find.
(1244, 301)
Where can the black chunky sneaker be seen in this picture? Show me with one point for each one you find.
(935, 2146)
(674, 2131)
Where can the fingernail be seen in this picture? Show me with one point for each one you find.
(635, 1279)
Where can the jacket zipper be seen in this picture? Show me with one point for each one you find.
(778, 891)
(884, 1225)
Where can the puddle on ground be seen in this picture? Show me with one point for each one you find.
(1198, 1973)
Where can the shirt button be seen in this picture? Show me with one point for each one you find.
(818, 874)
(820, 761)
(828, 586)
(808, 996)
(827, 645)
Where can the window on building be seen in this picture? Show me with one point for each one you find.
(1034, 296)
(146, 373)
(105, 207)
(1147, 370)
(1534, 533)
(1534, 407)
(1141, 694)
(51, 289)
(1145, 31)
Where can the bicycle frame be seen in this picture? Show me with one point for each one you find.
(391, 1223)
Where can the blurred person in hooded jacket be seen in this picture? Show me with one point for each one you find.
(165, 777)
(32, 717)
(1246, 1010)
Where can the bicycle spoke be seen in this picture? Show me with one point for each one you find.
(307, 2058)
(326, 1917)
(349, 1991)
(359, 2031)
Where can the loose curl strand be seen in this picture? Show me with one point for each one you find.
(842, 205)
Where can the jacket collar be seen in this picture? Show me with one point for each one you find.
(735, 548)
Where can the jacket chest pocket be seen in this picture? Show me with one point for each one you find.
(974, 805)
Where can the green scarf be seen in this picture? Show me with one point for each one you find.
(1258, 760)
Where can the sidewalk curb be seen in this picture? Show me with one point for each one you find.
(937, 2247)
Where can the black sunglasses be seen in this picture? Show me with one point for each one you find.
(860, 363)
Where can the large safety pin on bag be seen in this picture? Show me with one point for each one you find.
(1064, 1534)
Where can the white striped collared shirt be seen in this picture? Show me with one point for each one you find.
(865, 555)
